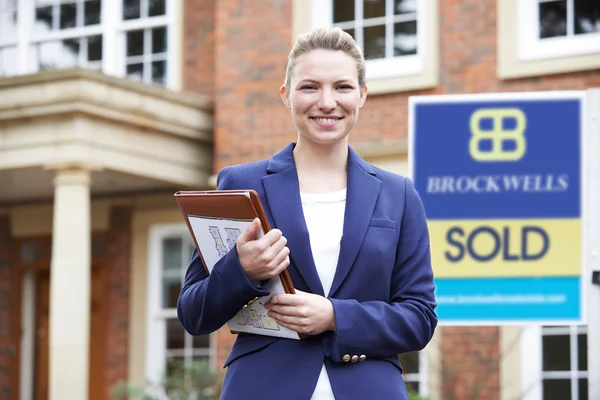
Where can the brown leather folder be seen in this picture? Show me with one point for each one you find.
(244, 205)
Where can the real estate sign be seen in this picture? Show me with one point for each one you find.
(502, 183)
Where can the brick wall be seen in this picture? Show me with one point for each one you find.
(5, 308)
(470, 363)
(118, 273)
(199, 46)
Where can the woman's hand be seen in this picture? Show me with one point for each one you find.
(262, 258)
(302, 312)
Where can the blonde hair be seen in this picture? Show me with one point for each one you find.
(326, 39)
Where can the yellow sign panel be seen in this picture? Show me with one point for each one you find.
(504, 248)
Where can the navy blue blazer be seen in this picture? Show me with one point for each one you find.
(382, 292)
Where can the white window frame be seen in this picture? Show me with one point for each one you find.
(420, 377)
(113, 30)
(532, 359)
(322, 16)
(156, 352)
(531, 47)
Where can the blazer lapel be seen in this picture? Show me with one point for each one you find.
(283, 197)
(362, 193)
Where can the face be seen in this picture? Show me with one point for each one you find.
(324, 96)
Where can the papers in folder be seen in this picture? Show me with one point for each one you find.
(215, 219)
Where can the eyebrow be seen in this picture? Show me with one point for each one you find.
(310, 80)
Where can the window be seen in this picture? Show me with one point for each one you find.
(390, 32)
(8, 37)
(555, 363)
(170, 252)
(414, 367)
(558, 28)
(119, 37)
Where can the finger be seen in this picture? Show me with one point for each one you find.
(271, 237)
(284, 300)
(249, 233)
(289, 311)
(283, 318)
(273, 250)
(280, 256)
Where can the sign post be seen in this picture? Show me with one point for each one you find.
(593, 240)
(511, 188)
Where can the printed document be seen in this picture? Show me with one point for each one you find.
(215, 237)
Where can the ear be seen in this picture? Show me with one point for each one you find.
(284, 96)
(363, 96)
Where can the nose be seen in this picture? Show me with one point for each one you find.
(326, 101)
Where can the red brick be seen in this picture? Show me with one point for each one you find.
(6, 305)
(118, 275)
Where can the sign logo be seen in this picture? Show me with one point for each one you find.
(498, 136)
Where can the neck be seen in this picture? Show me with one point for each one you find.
(321, 168)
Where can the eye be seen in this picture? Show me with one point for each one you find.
(308, 87)
(345, 87)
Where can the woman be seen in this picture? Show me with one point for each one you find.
(353, 238)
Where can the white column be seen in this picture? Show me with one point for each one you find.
(70, 286)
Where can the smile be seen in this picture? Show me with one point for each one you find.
(327, 120)
(326, 123)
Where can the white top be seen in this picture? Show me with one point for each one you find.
(324, 215)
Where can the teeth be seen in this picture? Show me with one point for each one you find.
(327, 120)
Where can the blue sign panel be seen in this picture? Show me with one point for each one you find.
(501, 180)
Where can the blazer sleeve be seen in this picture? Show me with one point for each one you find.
(206, 303)
(405, 324)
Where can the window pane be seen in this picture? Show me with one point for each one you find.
(159, 72)
(171, 290)
(8, 20)
(172, 253)
(556, 353)
(405, 6)
(136, 71)
(201, 342)
(582, 352)
(405, 38)
(95, 48)
(587, 16)
(68, 15)
(156, 7)
(131, 9)
(373, 8)
(374, 39)
(159, 40)
(583, 389)
(412, 387)
(557, 389)
(8, 61)
(135, 43)
(410, 362)
(175, 335)
(343, 10)
(43, 20)
(92, 11)
(553, 19)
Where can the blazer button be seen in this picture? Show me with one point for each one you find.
(354, 358)
(362, 358)
(346, 358)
